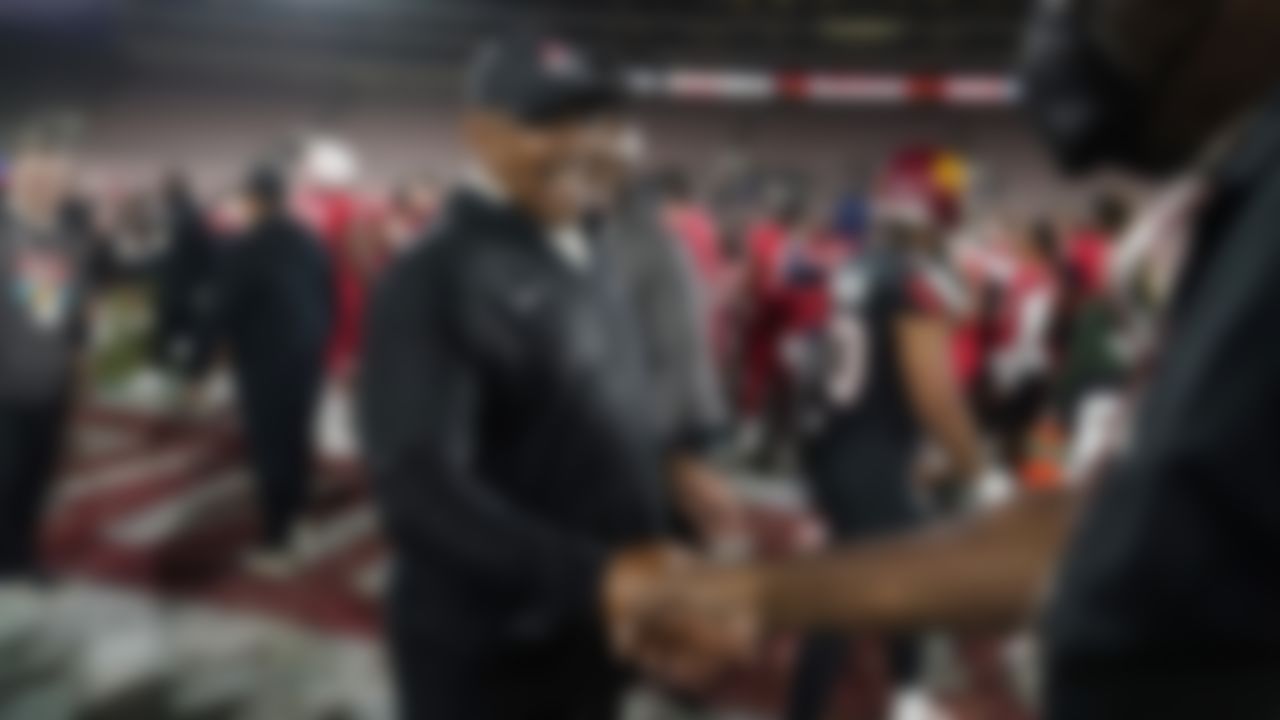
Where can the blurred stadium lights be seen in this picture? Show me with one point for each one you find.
(414, 47)
(823, 88)
(885, 34)
(861, 30)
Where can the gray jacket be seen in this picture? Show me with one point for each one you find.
(671, 312)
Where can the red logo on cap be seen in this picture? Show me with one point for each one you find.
(558, 58)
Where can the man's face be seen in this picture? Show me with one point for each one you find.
(41, 180)
(1200, 63)
(1146, 38)
(548, 170)
(1149, 82)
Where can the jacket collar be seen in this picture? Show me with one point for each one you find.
(481, 199)
(1253, 154)
(1239, 174)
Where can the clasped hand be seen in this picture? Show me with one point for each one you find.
(682, 620)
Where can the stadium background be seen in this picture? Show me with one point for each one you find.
(151, 512)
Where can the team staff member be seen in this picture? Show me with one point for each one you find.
(879, 382)
(44, 286)
(658, 278)
(275, 307)
(186, 273)
(506, 417)
(1164, 601)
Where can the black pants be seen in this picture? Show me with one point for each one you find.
(461, 678)
(863, 491)
(277, 410)
(30, 443)
(1013, 418)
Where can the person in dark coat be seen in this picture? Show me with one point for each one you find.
(1157, 588)
(507, 419)
(187, 271)
(274, 310)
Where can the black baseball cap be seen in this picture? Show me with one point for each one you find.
(542, 80)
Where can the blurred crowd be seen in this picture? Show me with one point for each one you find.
(760, 245)
(271, 278)
(569, 374)
(1035, 328)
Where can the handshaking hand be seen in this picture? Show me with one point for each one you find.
(681, 620)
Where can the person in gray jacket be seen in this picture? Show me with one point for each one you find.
(670, 310)
(45, 288)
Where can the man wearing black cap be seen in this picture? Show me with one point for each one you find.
(506, 419)
(1164, 600)
(274, 308)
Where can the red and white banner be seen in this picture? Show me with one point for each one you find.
(824, 88)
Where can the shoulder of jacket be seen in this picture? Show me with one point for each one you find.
(450, 266)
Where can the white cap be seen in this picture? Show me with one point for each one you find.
(329, 162)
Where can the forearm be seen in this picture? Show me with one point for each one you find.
(935, 395)
(983, 571)
(949, 423)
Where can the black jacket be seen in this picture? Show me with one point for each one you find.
(507, 425)
(184, 288)
(275, 299)
(1170, 586)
